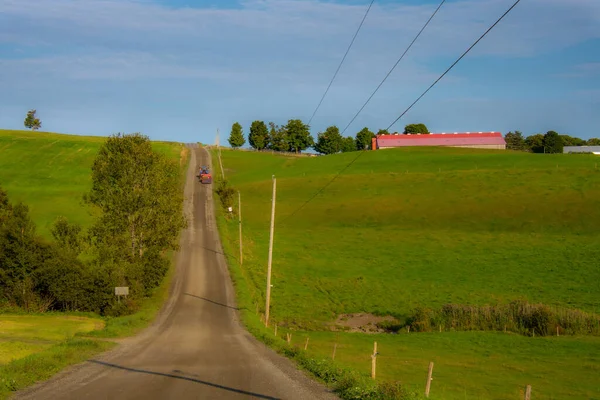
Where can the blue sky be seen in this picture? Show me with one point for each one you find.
(180, 69)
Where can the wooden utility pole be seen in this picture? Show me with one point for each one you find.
(240, 218)
(220, 161)
(270, 252)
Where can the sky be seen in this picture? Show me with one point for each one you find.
(181, 69)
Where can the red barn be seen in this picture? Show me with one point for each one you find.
(480, 140)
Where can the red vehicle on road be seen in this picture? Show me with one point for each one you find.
(204, 175)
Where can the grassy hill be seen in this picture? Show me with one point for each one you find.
(423, 227)
(50, 172)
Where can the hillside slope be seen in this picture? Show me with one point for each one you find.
(49, 172)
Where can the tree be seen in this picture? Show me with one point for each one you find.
(515, 141)
(348, 144)
(31, 121)
(330, 141)
(259, 135)
(382, 132)
(236, 138)
(298, 135)
(535, 143)
(364, 139)
(138, 193)
(572, 141)
(593, 142)
(67, 235)
(413, 129)
(278, 139)
(552, 143)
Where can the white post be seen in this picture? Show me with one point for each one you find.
(270, 253)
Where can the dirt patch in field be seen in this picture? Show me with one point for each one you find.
(361, 322)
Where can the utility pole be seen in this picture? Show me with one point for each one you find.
(220, 161)
(240, 218)
(270, 253)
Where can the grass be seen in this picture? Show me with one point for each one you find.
(50, 172)
(21, 335)
(515, 227)
(26, 371)
(470, 365)
(408, 228)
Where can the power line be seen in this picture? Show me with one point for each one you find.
(394, 67)
(363, 151)
(344, 58)
(455, 62)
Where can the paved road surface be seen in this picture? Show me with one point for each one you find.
(197, 348)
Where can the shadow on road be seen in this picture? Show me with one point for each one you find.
(210, 301)
(260, 396)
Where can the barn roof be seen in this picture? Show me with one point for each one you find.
(441, 139)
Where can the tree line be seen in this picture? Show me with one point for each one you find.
(550, 142)
(136, 198)
(295, 137)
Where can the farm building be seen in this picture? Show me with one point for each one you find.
(582, 149)
(480, 140)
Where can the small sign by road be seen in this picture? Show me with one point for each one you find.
(122, 291)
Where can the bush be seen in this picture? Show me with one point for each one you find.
(226, 194)
(519, 317)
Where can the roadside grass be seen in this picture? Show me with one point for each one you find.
(469, 365)
(406, 228)
(21, 335)
(41, 366)
(50, 173)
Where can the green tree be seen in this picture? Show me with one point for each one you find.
(364, 139)
(298, 135)
(138, 193)
(236, 138)
(383, 132)
(67, 235)
(330, 141)
(259, 135)
(552, 143)
(348, 144)
(572, 141)
(413, 129)
(278, 139)
(535, 143)
(31, 121)
(593, 142)
(515, 141)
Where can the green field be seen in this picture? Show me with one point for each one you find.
(50, 172)
(416, 227)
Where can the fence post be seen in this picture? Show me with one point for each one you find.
(374, 360)
(334, 349)
(429, 379)
(275, 329)
(306, 344)
(528, 392)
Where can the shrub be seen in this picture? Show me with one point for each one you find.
(226, 194)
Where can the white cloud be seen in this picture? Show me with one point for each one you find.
(534, 26)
